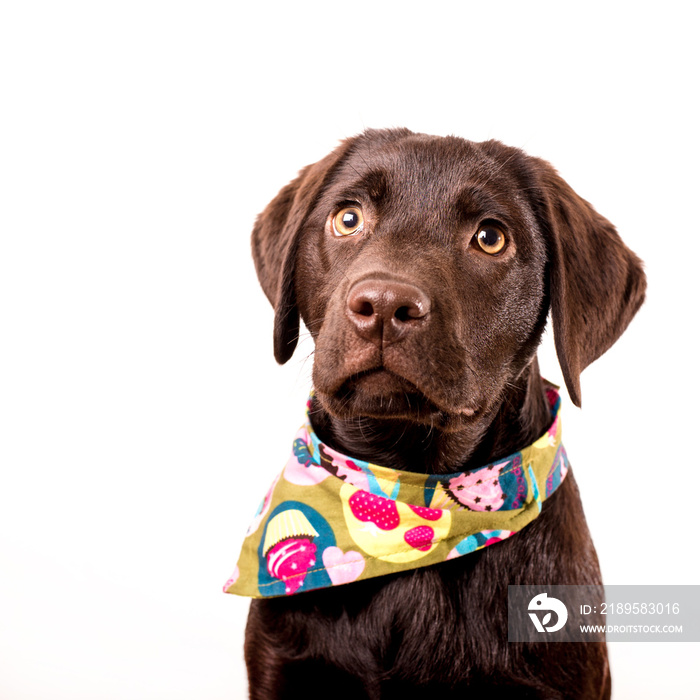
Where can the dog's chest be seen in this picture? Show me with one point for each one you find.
(435, 618)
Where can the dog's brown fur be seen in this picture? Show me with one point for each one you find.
(444, 391)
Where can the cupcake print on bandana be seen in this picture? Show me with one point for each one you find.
(492, 488)
(477, 490)
(291, 548)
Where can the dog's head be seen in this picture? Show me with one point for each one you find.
(425, 267)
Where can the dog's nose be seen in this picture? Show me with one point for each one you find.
(385, 310)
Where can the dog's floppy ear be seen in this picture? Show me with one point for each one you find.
(597, 284)
(274, 243)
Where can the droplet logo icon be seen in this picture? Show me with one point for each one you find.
(541, 603)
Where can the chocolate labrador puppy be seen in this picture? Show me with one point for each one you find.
(425, 268)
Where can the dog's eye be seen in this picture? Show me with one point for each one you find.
(348, 221)
(490, 239)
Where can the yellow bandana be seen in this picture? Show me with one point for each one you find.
(329, 519)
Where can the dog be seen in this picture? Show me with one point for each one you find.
(425, 269)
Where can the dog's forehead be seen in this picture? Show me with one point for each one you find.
(429, 170)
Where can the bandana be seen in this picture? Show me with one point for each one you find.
(329, 519)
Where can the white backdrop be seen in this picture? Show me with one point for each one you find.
(142, 412)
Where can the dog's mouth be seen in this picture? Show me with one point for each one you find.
(381, 393)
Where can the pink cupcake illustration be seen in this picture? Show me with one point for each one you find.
(478, 490)
(289, 548)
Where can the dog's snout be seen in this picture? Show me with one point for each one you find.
(385, 310)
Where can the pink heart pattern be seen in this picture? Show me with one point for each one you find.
(342, 567)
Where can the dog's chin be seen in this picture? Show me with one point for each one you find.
(381, 394)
